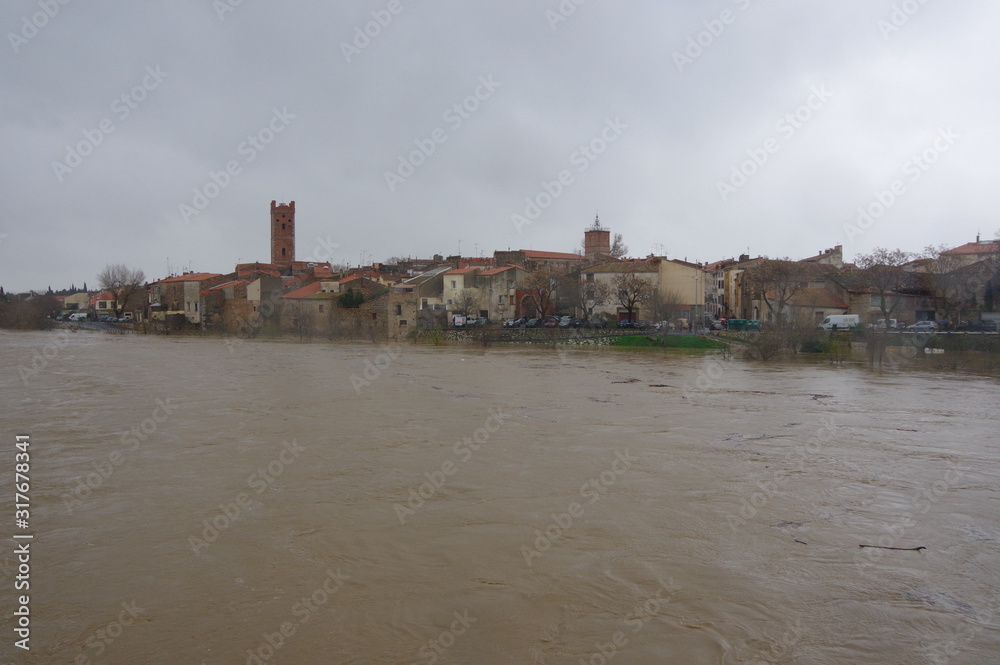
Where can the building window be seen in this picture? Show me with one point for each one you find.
(877, 301)
(282, 227)
(500, 301)
(590, 278)
(374, 316)
(399, 310)
(402, 323)
(321, 309)
(282, 251)
(449, 301)
(453, 284)
(423, 303)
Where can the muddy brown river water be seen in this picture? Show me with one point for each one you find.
(196, 502)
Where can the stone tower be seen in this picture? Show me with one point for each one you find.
(596, 241)
(282, 233)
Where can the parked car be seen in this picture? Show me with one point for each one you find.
(566, 322)
(531, 323)
(880, 324)
(516, 322)
(595, 322)
(626, 323)
(923, 326)
(550, 322)
(989, 325)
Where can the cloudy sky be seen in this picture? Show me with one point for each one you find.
(156, 134)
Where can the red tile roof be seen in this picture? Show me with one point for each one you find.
(975, 248)
(305, 291)
(462, 271)
(497, 271)
(533, 254)
(190, 277)
(223, 286)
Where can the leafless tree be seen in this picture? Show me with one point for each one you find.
(466, 302)
(665, 305)
(542, 287)
(883, 272)
(121, 282)
(618, 247)
(576, 294)
(632, 290)
(774, 282)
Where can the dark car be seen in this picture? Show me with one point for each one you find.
(531, 323)
(626, 323)
(550, 321)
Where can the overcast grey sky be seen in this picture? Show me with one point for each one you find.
(114, 114)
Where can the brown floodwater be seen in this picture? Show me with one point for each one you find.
(210, 502)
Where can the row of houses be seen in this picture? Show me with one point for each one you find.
(389, 300)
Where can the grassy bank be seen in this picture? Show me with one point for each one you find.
(669, 342)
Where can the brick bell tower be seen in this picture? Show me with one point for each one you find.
(596, 241)
(282, 233)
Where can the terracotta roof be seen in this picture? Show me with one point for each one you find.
(223, 286)
(824, 254)
(533, 254)
(716, 265)
(686, 264)
(190, 277)
(462, 271)
(497, 271)
(975, 248)
(305, 291)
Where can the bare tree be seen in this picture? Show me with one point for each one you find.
(631, 290)
(121, 282)
(774, 282)
(665, 305)
(542, 287)
(466, 302)
(579, 295)
(883, 272)
(618, 247)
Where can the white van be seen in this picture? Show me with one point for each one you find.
(78, 316)
(840, 321)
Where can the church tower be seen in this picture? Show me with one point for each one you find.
(596, 241)
(282, 233)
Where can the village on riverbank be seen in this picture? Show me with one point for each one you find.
(531, 295)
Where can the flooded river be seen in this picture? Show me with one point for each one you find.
(196, 502)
